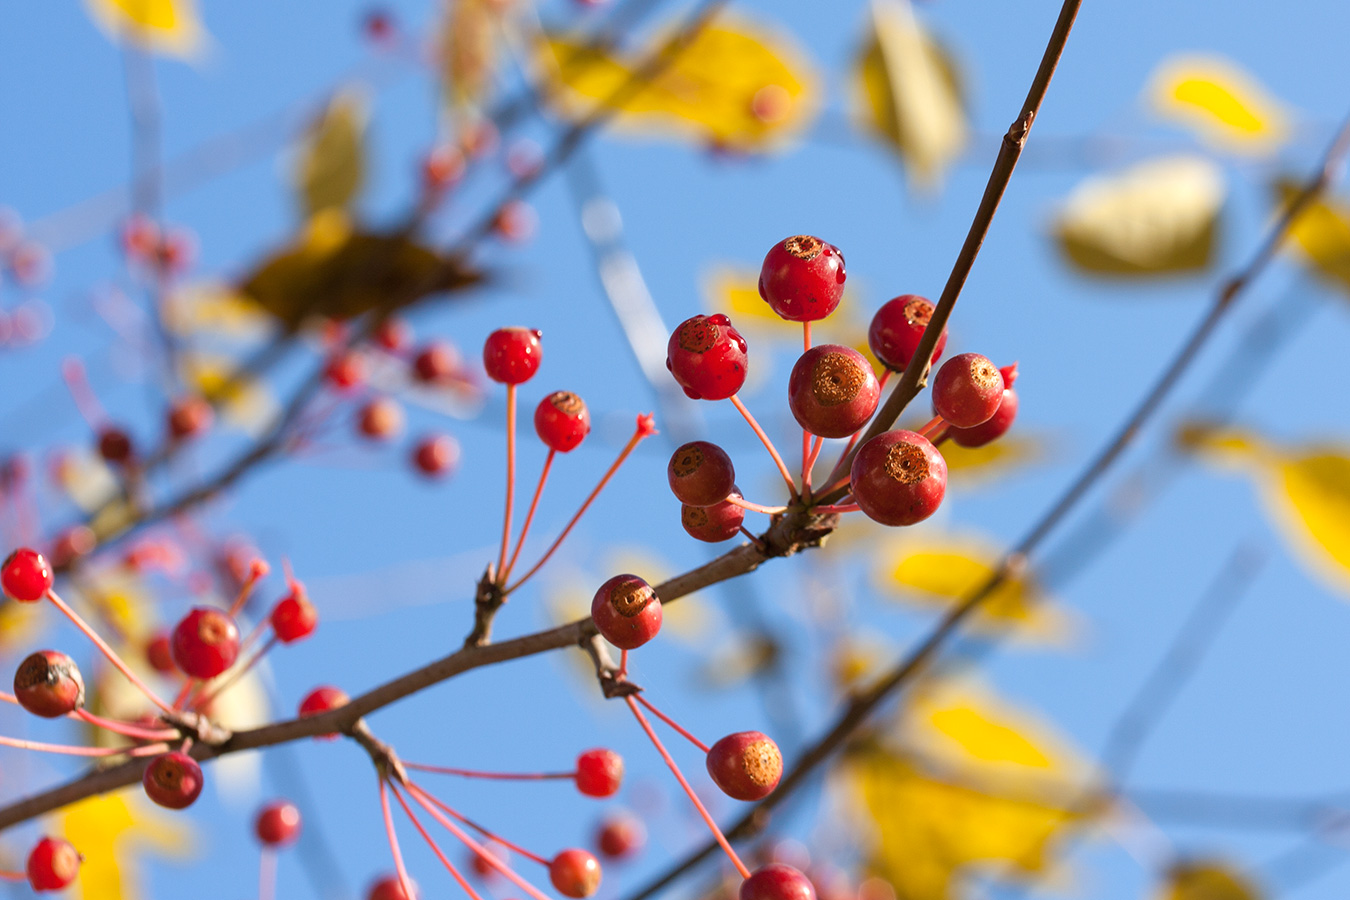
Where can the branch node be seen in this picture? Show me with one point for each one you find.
(382, 755)
(487, 599)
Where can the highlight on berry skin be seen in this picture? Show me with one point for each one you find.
(626, 611)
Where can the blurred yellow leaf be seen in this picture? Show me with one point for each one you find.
(111, 832)
(856, 659)
(245, 403)
(1196, 880)
(739, 85)
(1157, 217)
(937, 572)
(1223, 446)
(735, 292)
(980, 465)
(338, 272)
(738, 660)
(911, 92)
(212, 308)
(1321, 233)
(86, 479)
(470, 43)
(1225, 105)
(331, 164)
(19, 624)
(164, 26)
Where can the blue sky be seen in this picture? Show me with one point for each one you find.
(396, 558)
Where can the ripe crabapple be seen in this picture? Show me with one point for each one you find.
(49, 684)
(562, 421)
(898, 478)
(278, 823)
(746, 765)
(832, 391)
(512, 355)
(205, 642)
(701, 474)
(802, 278)
(26, 576)
(777, 882)
(716, 523)
(626, 611)
(173, 780)
(599, 772)
(999, 423)
(52, 864)
(575, 873)
(707, 356)
(967, 390)
(896, 329)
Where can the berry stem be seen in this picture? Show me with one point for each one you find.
(107, 651)
(510, 481)
(497, 776)
(529, 517)
(651, 708)
(643, 430)
(486, 833)
(679, 776)
(768, 445)
(423, 799)
(806, 435)
(267, 874)
(255, 573)
(806, 336)
(67, 750)
(12, 876)
(435, 848)
(126, 729)
(836, 508)
(403, 880)
(754, 538)
(934, 426)
(623, 662)
(755, 507)
(809, 458)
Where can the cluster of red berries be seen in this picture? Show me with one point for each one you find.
(164, 251)
(897, 477)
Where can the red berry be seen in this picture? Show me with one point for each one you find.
(321, 700)
(516, 221)
(205, 642)
(706, 354)
(481, 866)
(620, 835)
(575, 873)
(173, 780)
(393, 335)
(436, 363)
(190, 416)
(999, 423)
(114, 445)
(898, 478)
(381, 419)
(512, 355)
(777, 882)
(626, 611)
(160, 655)
(701, 474)
(716, 523)
(53, 864)
(832, 391)
(896, 329)
(378, 25)
(390, 888)
(294, 617)
(72, 544)
(745, 765)
(599, 772)
(345, 371)
(278, 823)
(26, 576)
(562, 421)
(48, 684)
(967, 390)
(436, 456)
(443, 168)
(140, 237)
(802, 278)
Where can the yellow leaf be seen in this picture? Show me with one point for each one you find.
(1321, 233)
(1156, 217)
(245, 403)
(164, 26)
(19, 624)
(911, 92)
(1221, 102)
(1311, 496)
(111, 832)
(469, 47)
(331, 165)
(212, 308)
(337, 272)
(735, 292)
(1207, 880)
(86, 479)
(975, 466)
(1231, 448)
(738, 85)
(936, 572)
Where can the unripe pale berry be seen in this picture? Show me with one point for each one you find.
(832, 391)
(512, 355)
(52, 864)
(898, 478)
(626, 611)
(575, 873)
(967, 390)
(999, 423)
(716, 523)
(701, 474)
(746, 765)
(707, 356)
(621, 835)
(435, 456)
(49, 684)
(26, 576)
(802, 278)
(173, 780)
(599, 773)
(381, 419)
(562, 421)
(896, 329)
(777, 882)
(321, 700)
(436, 363)
(278, 823)
(294, 617)
(205, 642)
